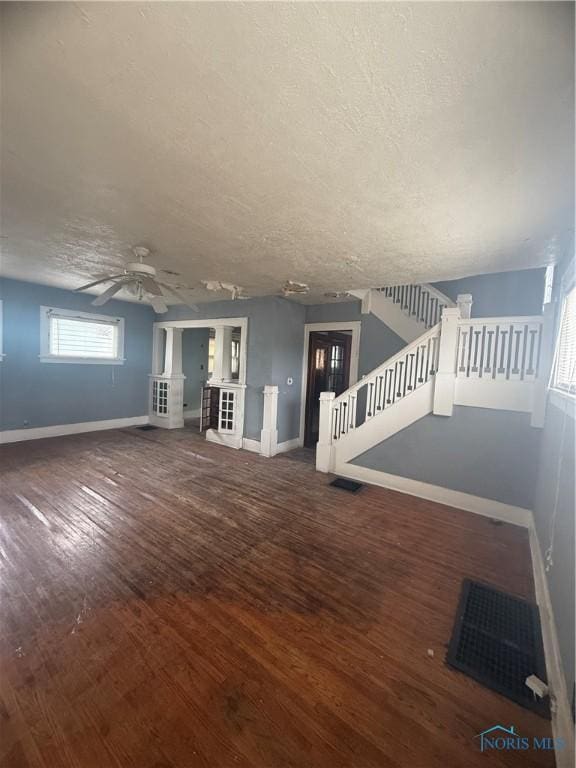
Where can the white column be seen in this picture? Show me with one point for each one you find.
(173, 352)
(445, 379)
(269, 433)
(223, 354)
(158, 335)
(544, 368)
(324, 448)
(172, 373)
(464, 302)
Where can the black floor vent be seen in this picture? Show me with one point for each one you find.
(497, 640)
(346, 485)
(147, 427)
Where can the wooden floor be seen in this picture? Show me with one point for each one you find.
(168, 602)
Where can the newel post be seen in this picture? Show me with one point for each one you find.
(324, 462)
(269, 433)
(445, 379)
(464, 303)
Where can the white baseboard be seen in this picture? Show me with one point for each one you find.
(222, 438)
(487, 507)
(562, 725)
(289, 445)
(256, 446)
(251, 445)
(37, 433)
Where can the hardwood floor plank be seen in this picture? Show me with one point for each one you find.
(170, 603)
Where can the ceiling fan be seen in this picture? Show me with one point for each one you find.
(140, 279)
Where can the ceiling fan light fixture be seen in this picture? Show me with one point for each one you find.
(138, 279)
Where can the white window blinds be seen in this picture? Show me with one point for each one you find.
(79, 337)
(565, 371)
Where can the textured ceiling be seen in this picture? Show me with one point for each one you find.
(339, 145)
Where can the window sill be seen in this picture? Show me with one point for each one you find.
(81, 360)
(565, 401)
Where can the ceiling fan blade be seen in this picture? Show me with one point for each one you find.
(179, 296)
(150, 286)
(101, 279)
(108, 293)
(158, 305)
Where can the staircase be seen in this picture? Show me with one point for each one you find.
(484, 363)
(408, 310)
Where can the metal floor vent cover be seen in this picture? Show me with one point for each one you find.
(147, 427)
(497, 640)
(346, 485)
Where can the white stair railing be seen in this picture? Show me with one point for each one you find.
(423, 303)
(500, 348)
(495, 362)
(396, 378)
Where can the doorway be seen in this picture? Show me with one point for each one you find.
(328, 371)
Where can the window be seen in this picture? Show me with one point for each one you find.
(565, 367)
(79, 337)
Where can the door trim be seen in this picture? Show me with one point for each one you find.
(354, 326)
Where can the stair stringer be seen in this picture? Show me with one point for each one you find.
(390, 314)
(388, 422)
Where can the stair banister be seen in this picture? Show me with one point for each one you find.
(430, 333)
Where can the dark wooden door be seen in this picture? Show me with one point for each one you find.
(209, 408)
(328, 371)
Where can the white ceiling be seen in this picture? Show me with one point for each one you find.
(339, 145)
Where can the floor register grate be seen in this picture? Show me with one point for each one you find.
(497, 640)
(346, 485)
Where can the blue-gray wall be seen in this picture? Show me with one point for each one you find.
(555, 509)
(501, 293)
(274, 354)
(377, 341)
(194, 364)
(39, 394)
(35, 394)
(493, 454)
(554, 512)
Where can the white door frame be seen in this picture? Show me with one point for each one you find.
(355, 326)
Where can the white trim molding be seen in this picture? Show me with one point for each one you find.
(209, 322)
(255, 446)
(249, 444)
(288, 445)
(356, 327)
(38, 433)
(223, 438)
(507, 513)
(562, 725)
